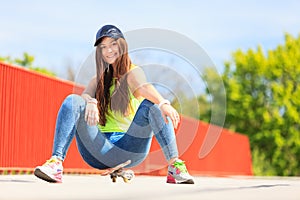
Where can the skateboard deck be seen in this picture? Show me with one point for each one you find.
(118, 171)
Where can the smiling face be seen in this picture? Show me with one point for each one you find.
(110, 50)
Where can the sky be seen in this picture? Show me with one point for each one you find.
(61, 33)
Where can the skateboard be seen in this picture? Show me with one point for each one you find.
(119, 171)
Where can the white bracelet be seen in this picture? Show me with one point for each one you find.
(92, 100)
(165, 101)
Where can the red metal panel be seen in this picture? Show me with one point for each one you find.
(29, 104)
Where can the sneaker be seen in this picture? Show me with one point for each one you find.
(51, 171)
(177, 173)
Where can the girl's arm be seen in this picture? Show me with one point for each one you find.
(141, 88)
(90, 90)
(91, 110)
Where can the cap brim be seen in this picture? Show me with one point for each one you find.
(111, 36)
(97, 42)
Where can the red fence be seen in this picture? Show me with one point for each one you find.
(29, 103)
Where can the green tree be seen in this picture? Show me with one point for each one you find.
(213, 101)
(27, 62)
(263, 101)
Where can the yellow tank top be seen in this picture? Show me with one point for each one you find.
(115, 121)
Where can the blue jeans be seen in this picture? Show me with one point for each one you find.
(105, 150)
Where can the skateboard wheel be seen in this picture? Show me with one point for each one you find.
(114, 179)
(126, 180)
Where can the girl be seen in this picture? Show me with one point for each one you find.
(116, 117)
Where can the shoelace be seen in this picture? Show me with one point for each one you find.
(51, 160)
(181, 166)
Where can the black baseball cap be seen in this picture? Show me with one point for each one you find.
(108, 31)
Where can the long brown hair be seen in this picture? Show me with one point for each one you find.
(106, 74)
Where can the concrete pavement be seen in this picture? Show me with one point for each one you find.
(149, 187)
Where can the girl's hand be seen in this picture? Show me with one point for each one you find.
(168, 111)
(91, 114)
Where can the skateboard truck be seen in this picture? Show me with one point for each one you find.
(127, 175)
(119, 171)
